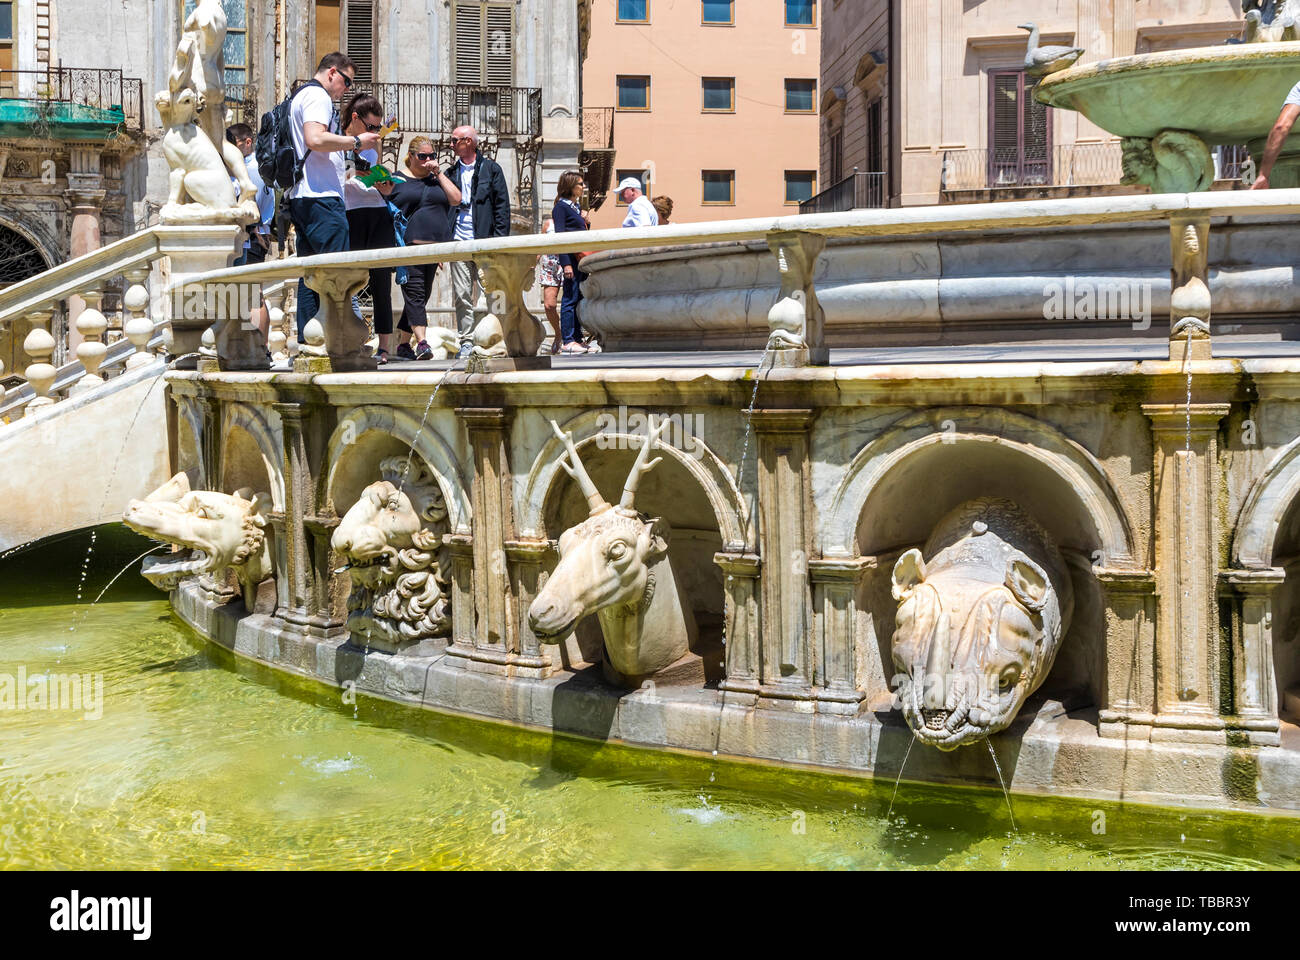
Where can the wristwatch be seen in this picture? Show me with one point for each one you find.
(357, 141)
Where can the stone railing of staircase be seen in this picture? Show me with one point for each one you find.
(157, 265)
(335, 341)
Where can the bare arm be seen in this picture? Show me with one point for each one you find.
(450, 189)
(1276, 137)
(318, 138)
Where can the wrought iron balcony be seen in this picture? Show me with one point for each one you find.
(71, 96)
(435, 109)
(857, 191)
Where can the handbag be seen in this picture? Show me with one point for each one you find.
(399, 234)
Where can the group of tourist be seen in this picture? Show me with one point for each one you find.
(336, 205)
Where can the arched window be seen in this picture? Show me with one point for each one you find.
(19, 258)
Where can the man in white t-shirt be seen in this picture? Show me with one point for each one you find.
(1277, 137)
(640, 211)
(259, 234)
(316, 200)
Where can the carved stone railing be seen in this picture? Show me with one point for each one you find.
(162, 257)
(796, 331)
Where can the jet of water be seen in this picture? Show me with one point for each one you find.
(901, 767)
(998, 767)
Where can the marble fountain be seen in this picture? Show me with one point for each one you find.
(843, 483)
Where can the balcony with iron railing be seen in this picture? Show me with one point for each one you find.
(1069, 165)
(70, 103)
(857, 191)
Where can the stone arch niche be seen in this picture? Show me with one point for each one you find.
(250, 453)
(21, 256)
(1262, 590)
(691, 489)
(367, 435)
(958, 454)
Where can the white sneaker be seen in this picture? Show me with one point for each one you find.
(573, 346)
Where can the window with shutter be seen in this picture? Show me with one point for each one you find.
(484, 43)
(359, 37)
(1020, 132)
(875, 138)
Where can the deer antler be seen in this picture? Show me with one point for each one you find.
(641, 467)
(595, 502)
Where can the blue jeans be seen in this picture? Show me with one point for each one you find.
(322, 227)
(570, 326)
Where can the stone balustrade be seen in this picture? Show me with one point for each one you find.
(162, 258)
(796, 319)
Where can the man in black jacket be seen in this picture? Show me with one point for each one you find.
(484, 211)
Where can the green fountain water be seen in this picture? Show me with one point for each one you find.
(200, 760)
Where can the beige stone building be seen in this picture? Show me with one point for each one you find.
(712, 102)
(925, 102)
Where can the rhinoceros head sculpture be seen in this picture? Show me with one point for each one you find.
(979, 622)
(615, 564)
(222, 531)
(391, 539)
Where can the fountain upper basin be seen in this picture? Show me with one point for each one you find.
(1225, 95)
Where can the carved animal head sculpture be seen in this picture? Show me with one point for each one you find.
(979, 622)
(615, 564)
(222, 530)
(391, 538)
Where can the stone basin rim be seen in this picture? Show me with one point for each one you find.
(1224, 57)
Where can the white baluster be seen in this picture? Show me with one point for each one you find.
(39, 345)
(139, 327)
(91, 324)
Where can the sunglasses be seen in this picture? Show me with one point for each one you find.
(373, 127)
(425, 156)
(347, 81)
(459, 139)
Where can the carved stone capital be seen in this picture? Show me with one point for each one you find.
(344, 332)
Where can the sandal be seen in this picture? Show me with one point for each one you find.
(573, 346)
(381, 357)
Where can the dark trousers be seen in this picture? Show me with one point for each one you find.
(253, 253)
(570, 325)
(415, 296)
(371, 228)
(322, 227)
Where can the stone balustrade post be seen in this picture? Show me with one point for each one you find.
(796, 322)
(508, 336)
(1254, 684)
(40, 373)
(190, 251)
(139, 325)
(91, 324)
(335, 339)
(1189, 298)
(1186, 537)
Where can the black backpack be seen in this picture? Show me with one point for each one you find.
(277, 161)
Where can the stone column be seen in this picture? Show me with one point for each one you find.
(1254, 686)
(85, 195)
(1186, 485)
(496, 639)
(785, 519)
(211, 447)
(335, 339)
(1129, 698)
(299, 505)
(506, 277)
(741, 631)
(837, 583)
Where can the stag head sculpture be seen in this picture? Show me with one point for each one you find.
(615, 564)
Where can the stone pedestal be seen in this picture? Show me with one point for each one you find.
(526, 558)
(742, 632)
(191, 251)
(1249, 594)
(1186, 528)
